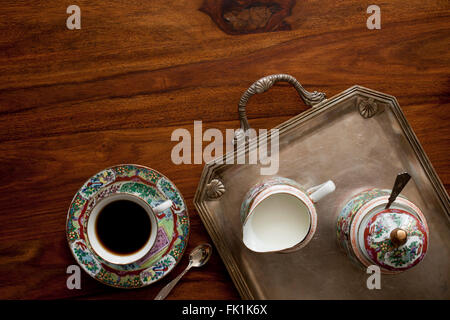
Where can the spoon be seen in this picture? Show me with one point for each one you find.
(197, 258)
(400, 182)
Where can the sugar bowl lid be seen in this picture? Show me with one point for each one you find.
(395, 239)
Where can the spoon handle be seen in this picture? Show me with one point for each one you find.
(168, 287)
(400, 182)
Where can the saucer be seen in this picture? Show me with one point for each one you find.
(173, 225)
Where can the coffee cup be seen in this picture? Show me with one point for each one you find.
(122, 228)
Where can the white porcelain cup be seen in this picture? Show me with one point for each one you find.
(123, 259)
(280, 216)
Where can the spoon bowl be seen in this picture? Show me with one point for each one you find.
(200, 255)
(197, 258)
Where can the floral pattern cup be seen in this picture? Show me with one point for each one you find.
(120, 259)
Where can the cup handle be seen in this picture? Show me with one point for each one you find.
(318, 192)
(163, 206)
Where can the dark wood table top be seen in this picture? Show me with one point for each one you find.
(73, 102)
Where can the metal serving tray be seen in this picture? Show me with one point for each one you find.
(359, 139)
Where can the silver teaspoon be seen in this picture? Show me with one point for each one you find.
(197, 258)
(400, 182)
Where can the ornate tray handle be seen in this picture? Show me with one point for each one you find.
(264, 84)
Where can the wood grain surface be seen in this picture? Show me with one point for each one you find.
(73, 102)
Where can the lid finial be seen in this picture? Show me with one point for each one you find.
(398, 237)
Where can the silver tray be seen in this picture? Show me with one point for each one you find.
(359, 139)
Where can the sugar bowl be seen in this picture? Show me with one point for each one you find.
(395, 239)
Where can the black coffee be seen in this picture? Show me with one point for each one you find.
(123, 227)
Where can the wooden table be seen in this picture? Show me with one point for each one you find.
(73, 102)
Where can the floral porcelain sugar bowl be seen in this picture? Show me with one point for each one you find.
(395, 239)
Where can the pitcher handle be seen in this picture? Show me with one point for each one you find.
(264, 84)
(318, 192)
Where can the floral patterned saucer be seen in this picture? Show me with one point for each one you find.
(173, 225)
